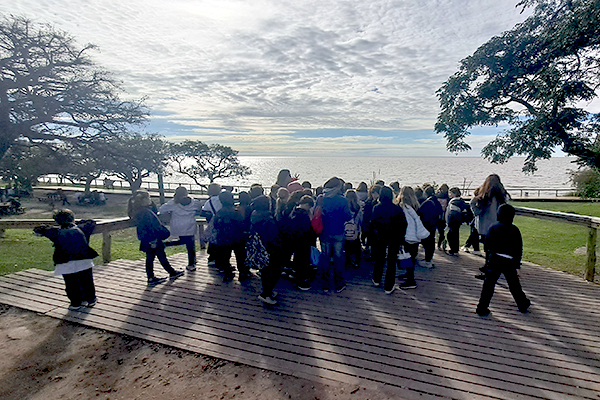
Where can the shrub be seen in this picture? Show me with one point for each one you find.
(587, 182)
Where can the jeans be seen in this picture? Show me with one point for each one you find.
(429, 244)
(332, 248)
(270, 274)
(413, 250)
(80, 286)
(190, 245)
(223, 255)
(453, 237)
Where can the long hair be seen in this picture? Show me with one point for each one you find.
(492, 188)
(407, 197)
(352, 200)
(137, 202)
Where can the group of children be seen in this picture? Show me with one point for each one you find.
(280, 231)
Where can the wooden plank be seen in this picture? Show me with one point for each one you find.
(150, 311)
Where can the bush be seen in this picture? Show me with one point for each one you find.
(587, 182)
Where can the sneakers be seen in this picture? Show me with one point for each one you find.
(426, 264)
(408, 285)
(341, 289)
(391, 290)
(176, 274)
(465, 249)
(191, 267)
(375, 283)
(91, 303)
(244, 275)
(155, 281)
(525, 307)
(267, 300)
(478, 253)
(304, 286)
(483, 312)
(74, 308)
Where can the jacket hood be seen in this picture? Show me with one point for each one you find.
(506, 214)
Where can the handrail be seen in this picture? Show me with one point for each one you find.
(592, 223)
(104, 227)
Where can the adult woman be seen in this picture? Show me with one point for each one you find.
(414, 227)
(485, 203)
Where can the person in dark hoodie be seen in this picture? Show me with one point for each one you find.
(388, 224)
(231, 235)
(304, 237)
(455, 215)
(73, 256)
(504, 249)
(430, 212)
(263, 224)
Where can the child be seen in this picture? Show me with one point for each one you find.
(504, 249)
(73, 256)
(151, 233)
(231, 235)
(455, 215)
(209, 210)
(352, 246)
(183, 210)
(304, 237)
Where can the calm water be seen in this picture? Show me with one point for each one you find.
(464, 172)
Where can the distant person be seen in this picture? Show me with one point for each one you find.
(273, 198)
(335, 214)
(183, 210)
(388, 224)
(504, 250)
(151, 233)
(263, 224)
(231, 236)
(490, 196)
(430, 212)
(352, 230)
(283, 195)
(63, 197)
(443, 198)
(473, 239)
(457, 212)
(73, 257)
(284, 177)
(306, 185)
(304, 237)
(415, 232)
(396, 188)
(209, 210)
(362, 191)
(372, 199)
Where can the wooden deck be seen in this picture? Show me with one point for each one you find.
(426, 342)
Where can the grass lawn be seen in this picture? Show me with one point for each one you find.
(21, 249)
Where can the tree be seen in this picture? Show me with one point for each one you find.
(83, 161)
(199, 160)
(51, 90)
(24, 163)
(135, 156)
(535, 78)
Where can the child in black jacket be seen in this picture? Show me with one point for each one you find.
(303, 238)
(504, 249)
(151, 233)
(73, 256)
(456, 212)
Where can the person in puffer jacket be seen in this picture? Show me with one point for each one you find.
(430, 212)
(410, 204)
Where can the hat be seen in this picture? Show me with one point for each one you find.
(294, 187)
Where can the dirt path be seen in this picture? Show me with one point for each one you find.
(45, 358)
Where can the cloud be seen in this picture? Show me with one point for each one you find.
(250, 71)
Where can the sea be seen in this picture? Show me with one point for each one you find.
(463, 172)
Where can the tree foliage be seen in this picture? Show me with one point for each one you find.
(50, 89)
(25, 162)
(134, 157)
(202, 161)
(535, 78)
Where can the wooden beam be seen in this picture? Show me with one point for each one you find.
(591, 254)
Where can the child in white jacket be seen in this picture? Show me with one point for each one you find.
(183, 210)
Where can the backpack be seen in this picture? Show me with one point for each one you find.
(351, 229)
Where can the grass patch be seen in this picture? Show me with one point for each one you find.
(21, 249)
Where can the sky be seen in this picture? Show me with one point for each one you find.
(286, 78)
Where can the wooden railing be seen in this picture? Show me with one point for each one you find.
(104, 227)
(592, 223)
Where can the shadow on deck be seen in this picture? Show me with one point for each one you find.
(427, 342)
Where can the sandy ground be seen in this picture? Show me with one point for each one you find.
(44, 358)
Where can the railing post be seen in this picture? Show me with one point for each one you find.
(106, 245)
(591, 254)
